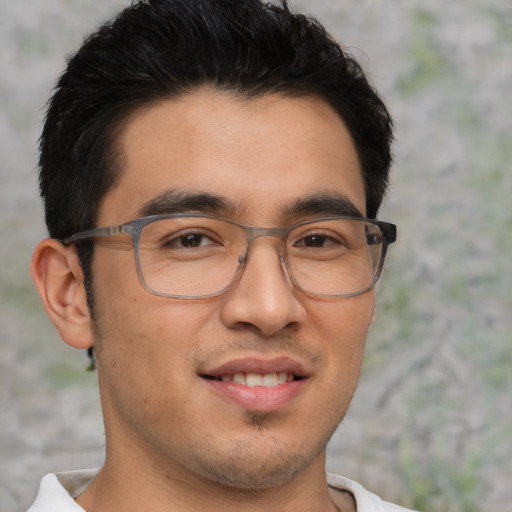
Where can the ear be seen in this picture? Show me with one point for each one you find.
(58, 277)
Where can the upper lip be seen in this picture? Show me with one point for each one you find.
(258, 366)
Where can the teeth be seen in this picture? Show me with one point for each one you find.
(269, 380)
(252, 380)
(239, 378)
(283, 377)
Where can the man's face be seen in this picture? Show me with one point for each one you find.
(157, 356)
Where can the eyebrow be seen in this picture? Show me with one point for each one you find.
(324, 205)
(172, 201)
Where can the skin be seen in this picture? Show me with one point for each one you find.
(173, 441)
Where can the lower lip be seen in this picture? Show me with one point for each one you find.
(258, 398)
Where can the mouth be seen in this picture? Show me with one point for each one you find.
(252, 380)
(254, 372)
(258, 385)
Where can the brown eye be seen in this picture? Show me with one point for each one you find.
(191, 240)
(317, 240)
(314, 241)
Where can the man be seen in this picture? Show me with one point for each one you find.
(211, 172)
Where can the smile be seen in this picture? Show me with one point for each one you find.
(268, 380)
(258, 385)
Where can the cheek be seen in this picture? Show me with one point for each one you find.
(123, 308)
(137, 330)
(144, 344)
(121, 320)
(343, 326)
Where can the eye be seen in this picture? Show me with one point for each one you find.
(373, 239)
(189, 240)
(318, 240)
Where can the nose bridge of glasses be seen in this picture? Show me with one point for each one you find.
(253, 232)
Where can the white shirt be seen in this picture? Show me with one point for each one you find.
(57, 493)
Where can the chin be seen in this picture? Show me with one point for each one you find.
(254, 466)
(256, 476)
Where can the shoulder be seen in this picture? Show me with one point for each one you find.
(366, 501)
(58, 490)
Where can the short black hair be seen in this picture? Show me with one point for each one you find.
(159, 49)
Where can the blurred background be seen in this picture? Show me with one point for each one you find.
(431, 423)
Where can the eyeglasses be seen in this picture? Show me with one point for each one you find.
(195, 256)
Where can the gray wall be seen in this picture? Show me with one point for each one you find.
(431, 424)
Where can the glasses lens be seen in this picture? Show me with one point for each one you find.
(190, 256)
(334, 257)
(200, 256)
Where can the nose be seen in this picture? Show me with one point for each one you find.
(263, 298)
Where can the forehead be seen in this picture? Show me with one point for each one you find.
(257, 155)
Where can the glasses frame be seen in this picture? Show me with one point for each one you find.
(134, 229)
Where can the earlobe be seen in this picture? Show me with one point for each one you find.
(56, 272)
